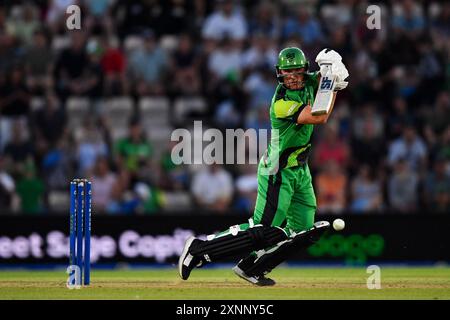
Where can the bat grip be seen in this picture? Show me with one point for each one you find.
(325, 68)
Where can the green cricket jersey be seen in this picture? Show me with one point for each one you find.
(294, 140)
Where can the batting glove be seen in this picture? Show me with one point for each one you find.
(327, 57)
(330, 62)
(340, 71)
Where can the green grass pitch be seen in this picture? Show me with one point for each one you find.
(222, 284)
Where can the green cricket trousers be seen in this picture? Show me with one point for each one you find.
(285, 199)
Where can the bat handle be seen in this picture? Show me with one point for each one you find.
(327, 67)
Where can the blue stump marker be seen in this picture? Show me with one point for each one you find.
(80, 228)
(87, 233)
(80, 207)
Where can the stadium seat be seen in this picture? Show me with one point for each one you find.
(434, 10)
(154, 111)
(77, 109)
(117, 111)
(59, 201)
(159, 133)
(60, 43)
(132, 43)
(177, 200)
(169, 42)
(114, 41)
(159, 136)
(37, 102)
(197, 158)
(118, 133)
(189, 108)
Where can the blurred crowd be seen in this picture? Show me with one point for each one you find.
(386, 147)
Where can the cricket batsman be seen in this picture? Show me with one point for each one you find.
(283, 218)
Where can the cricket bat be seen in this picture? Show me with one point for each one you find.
(324, 97)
